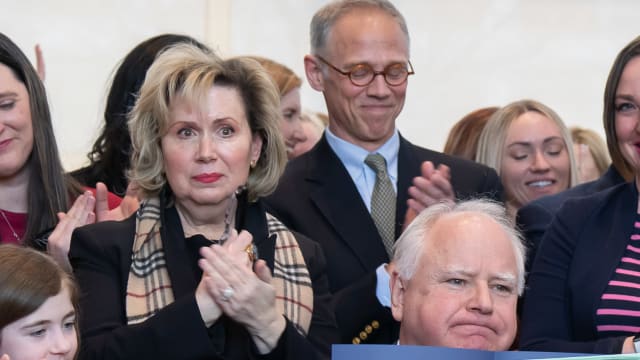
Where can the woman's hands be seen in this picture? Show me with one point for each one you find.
(86, 210)
(246, 297)
(127, 207)
(81, 213)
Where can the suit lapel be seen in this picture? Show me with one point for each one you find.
(338, 201)
(256, 224)
(408, 168)
(173, 242)
(609, 245)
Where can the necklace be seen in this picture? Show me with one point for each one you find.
(4, 216)
(227, 221)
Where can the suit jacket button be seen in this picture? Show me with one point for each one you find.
(355, 341)
(363, 335)
(368, 329)
(375, 324)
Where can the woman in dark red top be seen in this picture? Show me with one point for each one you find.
(35, 194)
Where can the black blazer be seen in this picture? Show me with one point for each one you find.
(101, 257)
(534, 218)
(317, 197)
(576, 259)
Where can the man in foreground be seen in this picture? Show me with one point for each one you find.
(456, 275)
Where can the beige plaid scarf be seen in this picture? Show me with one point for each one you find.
(149, 286)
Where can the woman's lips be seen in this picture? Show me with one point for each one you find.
(5, 143)
(207, 178)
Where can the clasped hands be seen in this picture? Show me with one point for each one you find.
(233, 285)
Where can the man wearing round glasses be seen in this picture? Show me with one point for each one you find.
(351, 192)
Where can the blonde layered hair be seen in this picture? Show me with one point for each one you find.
(597, 146)
(491, 143)
(186, 72)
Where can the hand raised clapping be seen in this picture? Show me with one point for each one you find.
(245, 296)
(431, 187)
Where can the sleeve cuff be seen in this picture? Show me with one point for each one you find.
(383, 291)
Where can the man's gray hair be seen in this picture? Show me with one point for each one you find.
(324, 18)
(409, 247)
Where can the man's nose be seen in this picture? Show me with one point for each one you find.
(378, 86)
(481, 300)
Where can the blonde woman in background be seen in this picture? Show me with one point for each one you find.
(313, 124)
(592, 156)
(288, 85)
(530, 147)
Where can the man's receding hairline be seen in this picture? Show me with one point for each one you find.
(359, 11)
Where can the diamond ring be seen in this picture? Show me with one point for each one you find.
(227, 293)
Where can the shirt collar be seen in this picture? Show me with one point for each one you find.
(353, 156)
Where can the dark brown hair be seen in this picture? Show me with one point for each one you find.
(49, 188)
(27, 279)
(609, 114)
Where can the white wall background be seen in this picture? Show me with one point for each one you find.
(467, 54)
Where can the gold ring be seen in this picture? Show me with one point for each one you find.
(252, 252)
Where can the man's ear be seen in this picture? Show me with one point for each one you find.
(314, 72)
(397, 295)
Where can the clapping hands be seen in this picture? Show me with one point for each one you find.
(87, 209)
(431, 187)
(245, 296)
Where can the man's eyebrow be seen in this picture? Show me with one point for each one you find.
(506, 276)
(457, 271)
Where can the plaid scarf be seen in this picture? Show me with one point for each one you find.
(149, 286)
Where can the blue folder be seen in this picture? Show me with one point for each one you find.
(386, 352)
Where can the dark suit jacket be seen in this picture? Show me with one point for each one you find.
(577, 258)
(101, 258)
(317, 197)
(534, 218)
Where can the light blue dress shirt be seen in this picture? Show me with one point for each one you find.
(352, 157)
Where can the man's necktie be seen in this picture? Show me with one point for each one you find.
(383, 201)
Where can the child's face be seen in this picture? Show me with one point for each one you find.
(47, 333)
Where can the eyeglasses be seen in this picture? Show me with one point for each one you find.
(363, 74)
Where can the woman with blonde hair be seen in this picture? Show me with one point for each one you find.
(176, 280)
(592, 155)
(288, 84)
(529, 146)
